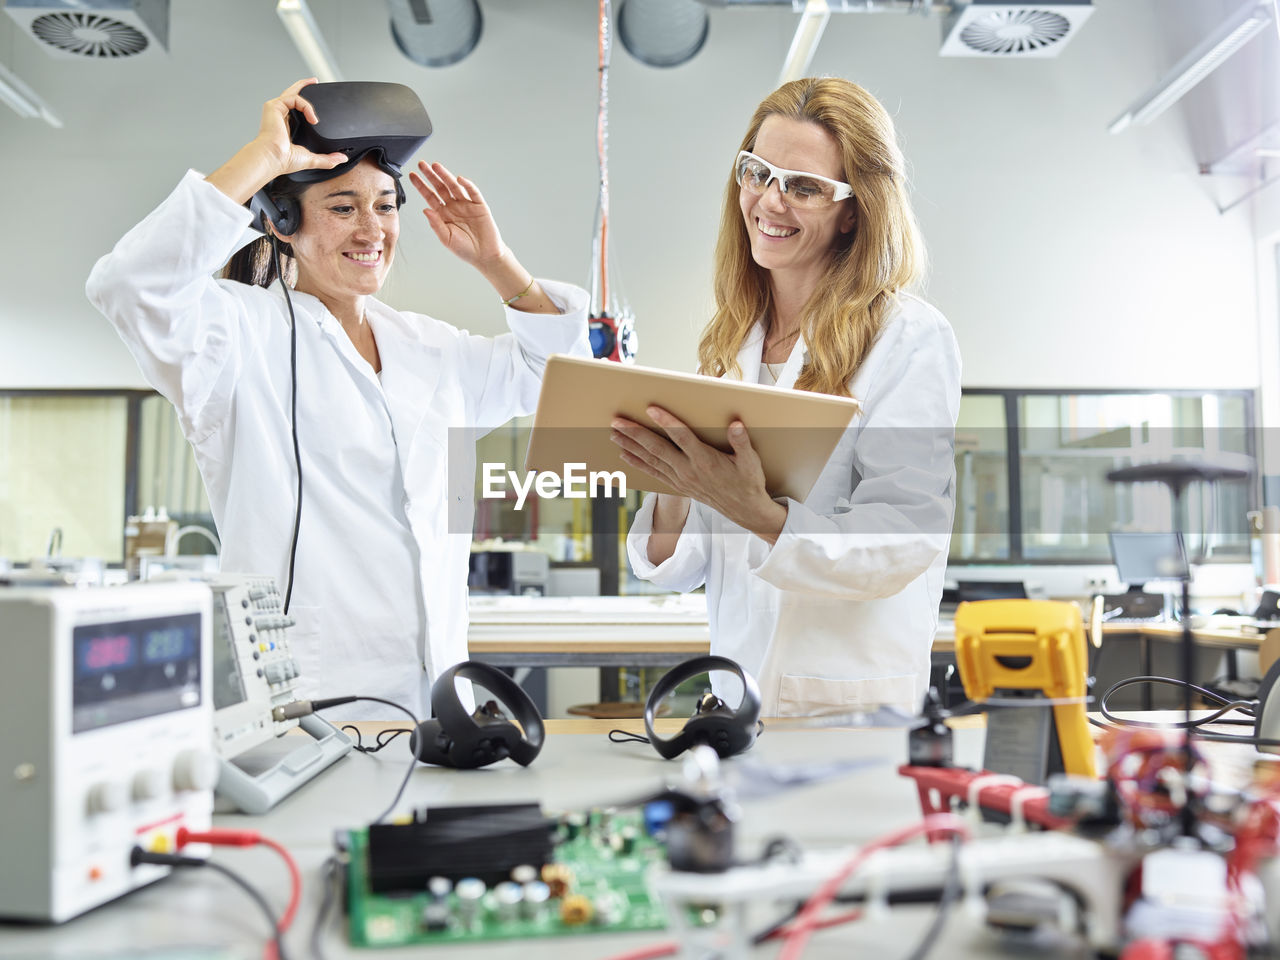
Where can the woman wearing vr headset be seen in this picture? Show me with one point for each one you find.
(388, 403)
(831, 603)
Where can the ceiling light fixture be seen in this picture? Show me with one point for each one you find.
(813, 21)
(24, 101)
(1234, 32)
(297, 19)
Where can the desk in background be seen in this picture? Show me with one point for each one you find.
(652, 631)
(657, 631)
(661, 631)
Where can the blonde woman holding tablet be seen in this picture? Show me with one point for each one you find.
(831, 603)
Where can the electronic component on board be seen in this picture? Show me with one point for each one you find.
(534, 903)
(584, 885)
(507, 897)
(576, 910)
(470, 892)
(484, 842)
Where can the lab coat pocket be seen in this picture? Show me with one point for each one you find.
(809, 696)
(304, 645)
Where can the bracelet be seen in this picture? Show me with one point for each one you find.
(507, 303)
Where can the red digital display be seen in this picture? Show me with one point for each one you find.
(103, 653)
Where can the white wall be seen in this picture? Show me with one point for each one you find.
(1063, 256)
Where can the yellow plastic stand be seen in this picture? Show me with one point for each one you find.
(1030, 645)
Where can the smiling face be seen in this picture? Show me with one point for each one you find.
(795, 245)
(347, 240)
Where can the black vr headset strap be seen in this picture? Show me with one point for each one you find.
(455, 730)
(740, 725)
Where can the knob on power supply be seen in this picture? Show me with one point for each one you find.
(149, 785)
(195, 770)
(108, 796)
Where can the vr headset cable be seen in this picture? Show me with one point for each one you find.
(293, 411)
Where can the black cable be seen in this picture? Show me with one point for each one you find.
(293, 412)
(626, 737)
(779, 847)
(379, 741)
(950, 892)
(258, 898)
(763, 935)
(1244, 706)
(332, 873)
(945, 899)
(138, 855)
(337, 701)
(1237, 738)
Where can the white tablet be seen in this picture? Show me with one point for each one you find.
(793, 431)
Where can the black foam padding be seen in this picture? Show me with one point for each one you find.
(456, 842)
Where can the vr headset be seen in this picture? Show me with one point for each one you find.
(356, 118)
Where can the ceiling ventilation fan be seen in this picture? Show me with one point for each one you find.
(110, 30)
(986, 29)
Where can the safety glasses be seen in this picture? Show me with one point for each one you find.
(799, 189)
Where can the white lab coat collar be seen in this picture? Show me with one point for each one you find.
(751, 352)
(309, 308)
(410, 368)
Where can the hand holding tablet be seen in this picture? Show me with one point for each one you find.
(792, 432)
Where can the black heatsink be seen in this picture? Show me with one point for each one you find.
(456, 842)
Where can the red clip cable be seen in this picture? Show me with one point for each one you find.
(251, 838)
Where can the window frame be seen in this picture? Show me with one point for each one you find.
(1013, 431)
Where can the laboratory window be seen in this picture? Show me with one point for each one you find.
(1050, 501)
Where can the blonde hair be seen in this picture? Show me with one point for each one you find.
(868, 267)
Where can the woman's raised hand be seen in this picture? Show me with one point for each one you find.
(458, 215)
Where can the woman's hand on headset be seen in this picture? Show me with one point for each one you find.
(730, 483)
(271, 153)
(273, 133)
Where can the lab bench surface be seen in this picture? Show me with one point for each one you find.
(182, 916)
(575, 771)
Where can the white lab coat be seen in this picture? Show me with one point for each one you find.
(840, 613)
(388, 461)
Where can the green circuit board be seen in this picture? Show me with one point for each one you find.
(608, 892)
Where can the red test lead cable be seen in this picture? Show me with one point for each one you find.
(807, 921)
(217, 837)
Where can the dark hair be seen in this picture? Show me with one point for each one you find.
(255, 263)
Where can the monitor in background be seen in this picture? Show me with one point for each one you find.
(967, 590)
(1143, 557)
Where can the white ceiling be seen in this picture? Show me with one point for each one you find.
(1014, 170)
